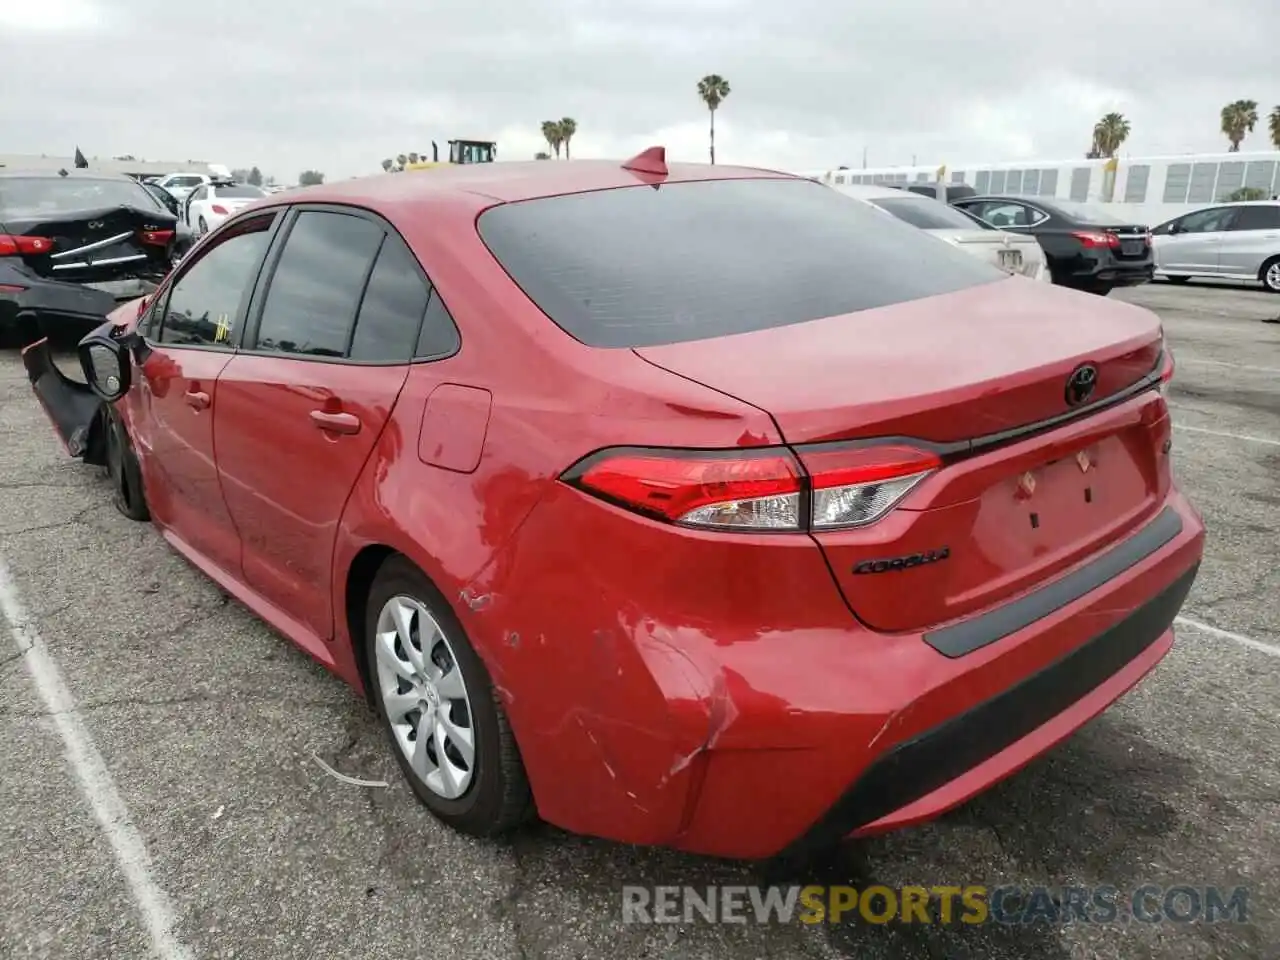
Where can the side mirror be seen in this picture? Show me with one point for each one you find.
(107, 366)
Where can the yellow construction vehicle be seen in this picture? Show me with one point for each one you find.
(460, 151)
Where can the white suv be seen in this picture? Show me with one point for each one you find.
(181, 184)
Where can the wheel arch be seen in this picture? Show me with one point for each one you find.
(361, 573)
(1267, 265)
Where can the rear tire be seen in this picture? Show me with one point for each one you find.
(123, 468)
(1270, 275)
(204, 227)
(453, 690)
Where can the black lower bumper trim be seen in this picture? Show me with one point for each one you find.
(970, 635)
(919, 766)
(72, 407)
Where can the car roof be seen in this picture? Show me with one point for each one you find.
(1045, 203)
(508, 181)
(874, 192)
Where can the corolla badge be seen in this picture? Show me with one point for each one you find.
(1081, 384)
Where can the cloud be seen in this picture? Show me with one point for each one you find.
(287, 84)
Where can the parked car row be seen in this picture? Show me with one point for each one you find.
(1090, 248)
(916, 516)
(73, 244)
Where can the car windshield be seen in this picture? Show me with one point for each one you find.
(926, 214)
(235, 191)
(640, 266)
(27, 197)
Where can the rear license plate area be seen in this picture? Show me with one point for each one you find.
(1133, 248)
(1010, 260)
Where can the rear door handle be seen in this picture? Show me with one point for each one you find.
(197, 399)
(335, 422)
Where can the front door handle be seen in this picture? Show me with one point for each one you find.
(197, 399)
(335, 422)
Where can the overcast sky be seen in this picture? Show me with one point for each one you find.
(340, 84)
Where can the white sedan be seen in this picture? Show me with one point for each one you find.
(1010, 252)
(209, 205)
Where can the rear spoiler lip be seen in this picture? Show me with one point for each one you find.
(959, 449)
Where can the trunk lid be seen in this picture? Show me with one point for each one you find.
(949, 370)
(1013, 252)
(98, 245)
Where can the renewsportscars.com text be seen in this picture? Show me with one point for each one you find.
(971, 904)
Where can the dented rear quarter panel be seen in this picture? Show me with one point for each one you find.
(491, 538)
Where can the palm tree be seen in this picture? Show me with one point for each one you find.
(1238, 119)
(1273, 122)
(551, 134)
(401, 160)
(713, 89)
(1109, 133)
(386, 165)
(568, 127)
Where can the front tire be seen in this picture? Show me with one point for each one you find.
(1270, 275)
(123, 468)
(438, 707)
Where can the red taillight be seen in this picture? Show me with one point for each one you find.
(737, 490)
(854, 486)
(11, 288)
(757, 489)
(156, 238)
(1166, 369)
(220, 210)
(22, 246)
(1097, 238)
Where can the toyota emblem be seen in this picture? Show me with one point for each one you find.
(1081, 384)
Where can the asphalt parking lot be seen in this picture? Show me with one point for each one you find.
(217, 828)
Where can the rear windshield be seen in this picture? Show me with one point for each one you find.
(926, 214)
(641, 266)
(1083, 213)
(26, 197)
(238, 190)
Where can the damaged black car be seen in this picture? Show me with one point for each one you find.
(73, 245)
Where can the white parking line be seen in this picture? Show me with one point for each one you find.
(1230, 436)
(95, 780)
(1267, 648)
(1224, 363)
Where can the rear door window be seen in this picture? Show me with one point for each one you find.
(1261, 217)
(643, 265)
(310, 306)
(393, 306)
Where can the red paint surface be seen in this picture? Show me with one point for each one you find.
(706, 690)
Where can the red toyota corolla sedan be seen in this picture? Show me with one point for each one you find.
(695, 506)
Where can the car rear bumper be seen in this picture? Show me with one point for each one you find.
(30, 303)
(750, 743)
(1113, 273)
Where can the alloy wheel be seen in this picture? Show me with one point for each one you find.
(1272, 277)
(425, 697)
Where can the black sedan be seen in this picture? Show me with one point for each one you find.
(1085, 248)
(73, 244)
